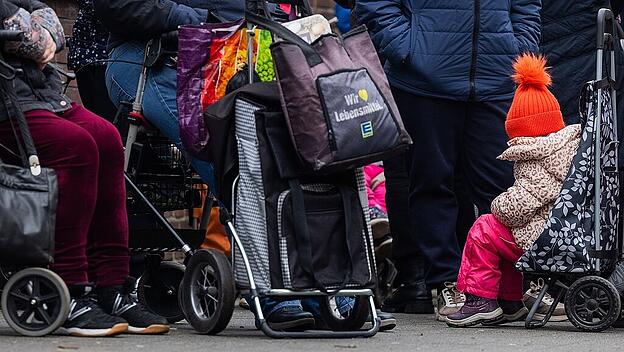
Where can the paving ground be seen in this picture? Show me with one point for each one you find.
(414, 333)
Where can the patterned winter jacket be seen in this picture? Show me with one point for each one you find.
(541, 165)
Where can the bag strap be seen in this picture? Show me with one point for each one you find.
(28, 152)
(312, 57)
(302, 234)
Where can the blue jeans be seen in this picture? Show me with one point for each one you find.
(272, 305)
(159, 100)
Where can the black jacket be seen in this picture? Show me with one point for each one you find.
(34, 89)
(569, 42)
(569, 39)
(145, 19)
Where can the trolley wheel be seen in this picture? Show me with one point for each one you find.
(208, 292)
(592, 303)
(344, 313)
(158, 290)
(35, 302)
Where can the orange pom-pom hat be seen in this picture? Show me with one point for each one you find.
(535, 111)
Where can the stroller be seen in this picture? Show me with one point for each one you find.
(581, 241)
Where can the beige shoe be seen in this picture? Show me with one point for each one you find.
(530, 297)
(449, 301)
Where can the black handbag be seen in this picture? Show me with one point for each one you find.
(28, 197)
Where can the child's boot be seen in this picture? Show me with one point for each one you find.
(475, 311)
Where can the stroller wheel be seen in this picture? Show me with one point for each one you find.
(344, 313)
(35, 302)
(208, 292)
(592, 303)
(158, 290)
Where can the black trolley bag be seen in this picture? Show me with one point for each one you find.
(302, 234)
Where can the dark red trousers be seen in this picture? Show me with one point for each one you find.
(91, 221)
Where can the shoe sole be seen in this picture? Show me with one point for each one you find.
(520, 315)
(114, 331)
(424, 307)
(293, 325)
(156, 329)
(475, 319)
(387, 324)
(553, 318)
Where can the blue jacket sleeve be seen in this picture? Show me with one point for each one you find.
(142, 19)
(182, 14)
(525, 18)
(389, 27)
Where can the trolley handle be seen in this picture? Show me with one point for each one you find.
(605, 35)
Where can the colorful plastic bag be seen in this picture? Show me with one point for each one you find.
(200, 53)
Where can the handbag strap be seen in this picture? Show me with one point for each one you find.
(312, 57)
(28, 152)
(302, 234)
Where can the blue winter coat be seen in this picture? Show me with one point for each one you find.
(460, 50)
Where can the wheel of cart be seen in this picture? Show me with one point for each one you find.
(159, 180)
(35, 301)
(581, 242)
(592, 303)
(208, 293)
(158, 286)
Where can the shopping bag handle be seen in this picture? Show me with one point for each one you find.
(312, 57)
(605, 20)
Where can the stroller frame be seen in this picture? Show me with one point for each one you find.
(606, 44)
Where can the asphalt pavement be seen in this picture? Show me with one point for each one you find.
(413, 333)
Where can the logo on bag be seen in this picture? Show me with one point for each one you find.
(355, 108)
(363, 94)
(367, 129)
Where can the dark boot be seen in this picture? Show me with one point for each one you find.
(87, 319)
(475, 311)
(119, 301)
(411, 299)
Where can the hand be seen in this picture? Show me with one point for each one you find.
(49, 49)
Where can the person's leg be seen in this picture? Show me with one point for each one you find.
(159, 101)
(488, 252)
(480, 270)
(485, 139)
(435, 126)
(107, 244)
(72, 152)
(93, 93)
(412, 295)
(107, 247)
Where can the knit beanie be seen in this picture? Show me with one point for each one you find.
(534, 111)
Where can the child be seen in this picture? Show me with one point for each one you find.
(376, 191)
(542, 149)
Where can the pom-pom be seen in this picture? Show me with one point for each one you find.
(530, 70)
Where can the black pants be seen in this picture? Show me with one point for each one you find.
(411, 268)
(448, 135)
(93, 92)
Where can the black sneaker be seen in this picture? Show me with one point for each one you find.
(119, 301)
(87, 319)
